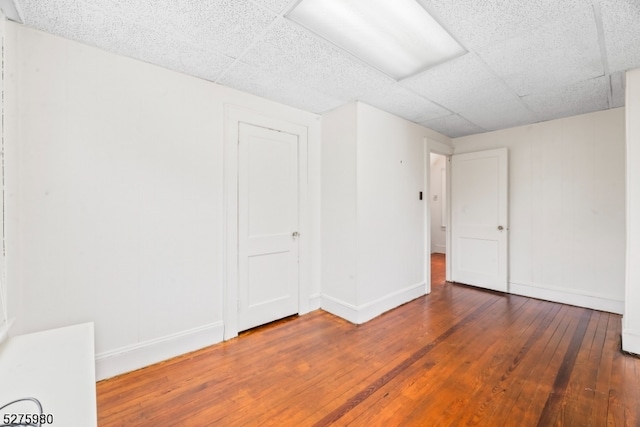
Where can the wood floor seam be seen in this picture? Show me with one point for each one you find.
(562, 378)
(384, 379)
(433, 361)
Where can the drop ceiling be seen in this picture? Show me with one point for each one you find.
(526, 61)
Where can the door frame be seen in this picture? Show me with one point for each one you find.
(432, 146)
(235, 115)
(503, 189)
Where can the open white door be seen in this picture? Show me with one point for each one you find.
(479, 200)
(267, 225)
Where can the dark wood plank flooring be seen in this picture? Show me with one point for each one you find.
(459, 356)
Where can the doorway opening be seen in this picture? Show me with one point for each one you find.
(438, 216)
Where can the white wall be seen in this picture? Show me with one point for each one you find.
(437, 198)
(631, 320)
(374, 251)
(339, 196)
(115, 211)
(391, 168)
(566, 207)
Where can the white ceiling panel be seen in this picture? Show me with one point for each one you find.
(482, 23)
(528, 60)
(453, 125)
(277, 6)
(462, 84)
(91, 25)
(226, 26)
(253, 80)
(188, 59)
(583, 97)
(499, 115)
(621, 24)
(556, 54)
(290, 52)
(66, 18)
(404, 103)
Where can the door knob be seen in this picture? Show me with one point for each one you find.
(295, 234)
(500, 228)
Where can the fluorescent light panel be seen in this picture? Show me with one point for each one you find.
(398, 37)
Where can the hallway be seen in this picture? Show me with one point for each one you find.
(438, 269)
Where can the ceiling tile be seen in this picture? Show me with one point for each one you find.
(79, 21)
(179, 56)
(618, 85)
(546, 51)
(225, 26)
(621, 25)
(277, 6)
(290, 52)
(251, 79)
(462, 84)
(93, 26)
(404, 103)
(453, 126)
(483, 23)
(499, 115)
(583, 97)
(557, 54)
(60, 18)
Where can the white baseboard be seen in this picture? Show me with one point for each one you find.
(375, 308)
(566, 296)
(339, 308)
(364, 313)
(315, 301)
(438, 249)
(139, 355)
(631, 340)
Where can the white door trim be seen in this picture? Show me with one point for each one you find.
(235, 115)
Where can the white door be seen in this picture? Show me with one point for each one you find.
(479, 219)
(267, 225)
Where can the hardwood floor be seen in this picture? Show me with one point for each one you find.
(438, 269)
(459, 356)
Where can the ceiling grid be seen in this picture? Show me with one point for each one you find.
(526, 61)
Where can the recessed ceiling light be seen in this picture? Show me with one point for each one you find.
(398, 37)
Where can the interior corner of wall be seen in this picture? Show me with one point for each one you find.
(631, 341)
